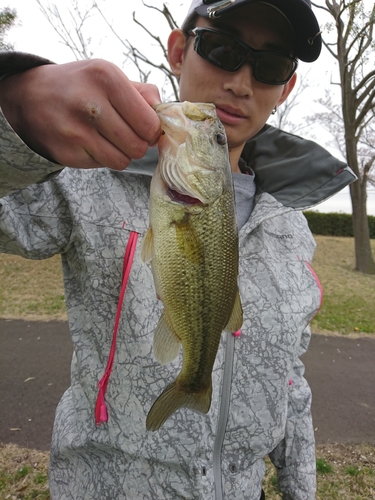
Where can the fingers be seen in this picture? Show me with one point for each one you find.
(120, 111)
(96, 153)
(83, 114)
(137, 120)
(132, 102)
(126, 119)
(151, 95)
(118, 142)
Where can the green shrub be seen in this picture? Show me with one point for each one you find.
(334, 224)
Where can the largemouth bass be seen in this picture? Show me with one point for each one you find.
(192, 243)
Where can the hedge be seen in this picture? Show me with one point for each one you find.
(334, 224)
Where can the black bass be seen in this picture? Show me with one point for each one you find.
(192, 243)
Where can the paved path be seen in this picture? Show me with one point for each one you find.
(35, 364)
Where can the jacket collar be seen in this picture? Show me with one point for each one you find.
(297, 172)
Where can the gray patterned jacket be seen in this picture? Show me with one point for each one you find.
(260, 403)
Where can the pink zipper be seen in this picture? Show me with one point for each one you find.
(101, 412)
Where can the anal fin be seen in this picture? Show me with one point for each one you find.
(166, 343)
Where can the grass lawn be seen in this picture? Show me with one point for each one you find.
(31, 289)
(349, 296)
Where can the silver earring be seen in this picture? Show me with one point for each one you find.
(274, 110)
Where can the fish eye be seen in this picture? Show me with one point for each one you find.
(220, 138)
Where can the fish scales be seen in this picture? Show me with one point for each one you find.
(194, 300)
(192, 243)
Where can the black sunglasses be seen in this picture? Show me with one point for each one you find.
(230, 53)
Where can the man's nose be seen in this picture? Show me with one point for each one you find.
(241, 82)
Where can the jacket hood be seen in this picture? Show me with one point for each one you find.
(295, 171)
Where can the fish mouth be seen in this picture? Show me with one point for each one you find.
(183, 198)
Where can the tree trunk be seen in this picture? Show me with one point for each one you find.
(364, 261)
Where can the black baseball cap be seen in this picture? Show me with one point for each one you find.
(298, 13)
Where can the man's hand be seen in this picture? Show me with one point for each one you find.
(83, 114)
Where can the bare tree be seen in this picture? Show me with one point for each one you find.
(283, 117)
(7, 20)
(352, 122)
(140, 59)
(70, 30)
(367, 142)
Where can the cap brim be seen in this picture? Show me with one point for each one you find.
(300, 16)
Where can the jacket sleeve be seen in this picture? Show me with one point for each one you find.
(34, 218)
(16, 62)
(294, 456)
(33, 215)
(19, 165)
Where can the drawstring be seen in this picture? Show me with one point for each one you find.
(101, 413)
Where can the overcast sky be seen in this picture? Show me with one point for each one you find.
(35, 35)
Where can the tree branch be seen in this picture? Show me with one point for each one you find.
(54, 17)
(368, 106)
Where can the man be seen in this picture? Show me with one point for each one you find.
(240, 55)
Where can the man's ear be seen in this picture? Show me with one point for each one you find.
(288, 87)
(176, 46)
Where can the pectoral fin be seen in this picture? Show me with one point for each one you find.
(188, 241)
(147, 246)
(236, 319)
(166, 343)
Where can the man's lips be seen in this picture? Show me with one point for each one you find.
(230, 115)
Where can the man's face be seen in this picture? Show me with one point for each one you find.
(243, 104)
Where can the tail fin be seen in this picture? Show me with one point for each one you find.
(171, 399)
